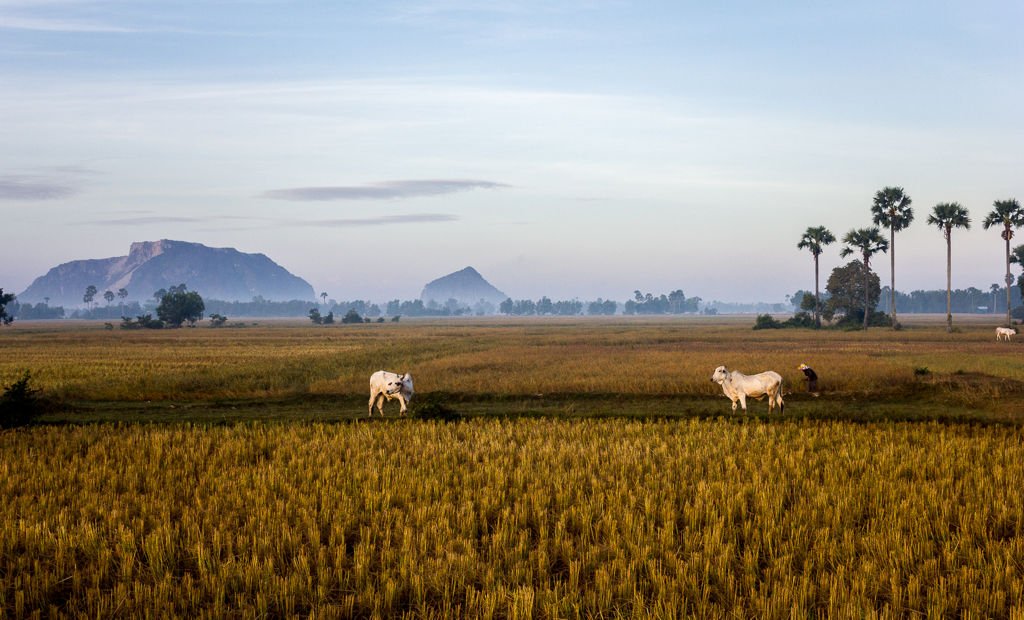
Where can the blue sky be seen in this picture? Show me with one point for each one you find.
(572, 149)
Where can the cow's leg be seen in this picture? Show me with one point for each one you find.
(734, 405)
(373, 401)
(401, 401)
(743, 402)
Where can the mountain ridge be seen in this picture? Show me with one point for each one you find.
(466, 285)
(216, 273)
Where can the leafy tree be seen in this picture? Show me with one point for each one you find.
(866, 241)
(815, 238)
(892, 209)
(947, 216)
(506, 306)
(108, 296)
(852, 291)
(314, 316)
(20, 403)
(180, 306)
(602, 307)
(5, 298)
(159, 294)
(329, 319)
(217, 320)
(1009, 214)
(90, 294)
(351, 317)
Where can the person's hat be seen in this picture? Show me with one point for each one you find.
(802, 367)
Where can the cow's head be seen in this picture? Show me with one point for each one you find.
(393, 384)
(406, 381)
(720, 375)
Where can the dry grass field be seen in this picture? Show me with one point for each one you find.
(669, 358)
(599, 473)
(513, 519)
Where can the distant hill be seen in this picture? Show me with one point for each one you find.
(467, 286)
(216, 273)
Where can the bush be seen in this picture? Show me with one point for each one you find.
(217, 320)
(765, 321)
(20, 405)
(144, 321)
(800, 319)
(433, 407)
(351, 317)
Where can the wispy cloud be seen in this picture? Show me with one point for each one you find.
(147, 220)
(49, 24)
(266, 222)
(382, 220)
(384, 190)
(27, 187)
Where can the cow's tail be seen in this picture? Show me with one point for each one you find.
(778, 398)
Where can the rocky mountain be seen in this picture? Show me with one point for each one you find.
(216, 273)
(467, 286)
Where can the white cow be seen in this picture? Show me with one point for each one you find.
(1005, 333)
(738, 386)
(386, 385)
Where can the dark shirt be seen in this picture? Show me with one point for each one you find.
(812, 379)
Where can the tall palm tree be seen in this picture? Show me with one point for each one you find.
(891, 208)
(814, 239)
(323, 296)
(1010, 215)
(947, 216)
(867, 242)
(1017, 257)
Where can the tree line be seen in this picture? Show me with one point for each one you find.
(891, 208)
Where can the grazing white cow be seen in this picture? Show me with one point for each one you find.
(388, 386)
(738, 386)
(1005, 333)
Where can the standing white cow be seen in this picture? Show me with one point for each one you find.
(386, 385)
(1005, 333)
(738, 386)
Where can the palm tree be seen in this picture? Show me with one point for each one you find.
(323, 296)
(866, 241)
(1010, 215)
(814, 239)
(891, 209)
(947, 216)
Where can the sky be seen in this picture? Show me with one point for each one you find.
(582, 148)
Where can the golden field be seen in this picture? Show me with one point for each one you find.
(671, 357)
(598, 473)
(514, 519)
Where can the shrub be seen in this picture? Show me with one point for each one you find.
(351, 317)
(20, 404)
(217, 320)
(433, 407)
(765, 321)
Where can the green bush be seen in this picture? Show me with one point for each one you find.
(433, 407)
(20, 404)
(765, 321)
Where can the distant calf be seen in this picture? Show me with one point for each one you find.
(738, 386)
(1005, 333)
(386, 385)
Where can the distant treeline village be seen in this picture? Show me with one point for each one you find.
(233, 283)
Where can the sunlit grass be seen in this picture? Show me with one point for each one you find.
(525, 518)
(484, 357)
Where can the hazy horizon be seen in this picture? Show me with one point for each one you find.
(580, 150)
